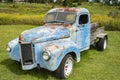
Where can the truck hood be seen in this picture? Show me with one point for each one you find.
(44, 33)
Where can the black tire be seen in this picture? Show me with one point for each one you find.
(101, 44)
(60, 72)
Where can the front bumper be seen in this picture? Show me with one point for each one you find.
(29, 67)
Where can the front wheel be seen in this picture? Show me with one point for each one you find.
(65, 67)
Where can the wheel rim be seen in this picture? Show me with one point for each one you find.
(105, 44)
(68, 66)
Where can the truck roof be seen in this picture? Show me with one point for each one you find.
(76, 10)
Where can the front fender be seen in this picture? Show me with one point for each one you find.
(59, 50)
(14, 54)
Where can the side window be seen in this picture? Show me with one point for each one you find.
(83, 19)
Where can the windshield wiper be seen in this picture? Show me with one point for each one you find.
(52, 21)
(65, 22)
(57, 21)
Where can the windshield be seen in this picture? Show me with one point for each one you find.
(66, 17)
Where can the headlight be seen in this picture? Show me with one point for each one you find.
(8, 48)
(46, 55)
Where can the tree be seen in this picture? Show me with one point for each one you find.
(67, 2)
(111, 2)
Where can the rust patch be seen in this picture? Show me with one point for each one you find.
(62, 51)
(72, 32)
(68, 9)
(53, 26)
(52, 64)
(71, 9)
(35, 39)
(21, 38)
(55, 56)
(54, 59)
(63, 47)
(61, 54)
(56, 46)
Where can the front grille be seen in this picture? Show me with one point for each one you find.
(27, 54)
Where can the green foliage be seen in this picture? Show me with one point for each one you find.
(21, 19)
(79, 3)
(67, 2)
(8, 0)
(74, 5)
(108, 22)
(114, 14)
(81, 0)
(114, 2)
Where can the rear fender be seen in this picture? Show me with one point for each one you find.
(102, 35)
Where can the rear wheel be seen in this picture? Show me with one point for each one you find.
(101, 44)
(65, 67)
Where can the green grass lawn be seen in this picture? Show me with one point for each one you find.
(94, 65)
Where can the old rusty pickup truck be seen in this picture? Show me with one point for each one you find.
(55, 45)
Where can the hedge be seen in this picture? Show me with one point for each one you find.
(110, 23)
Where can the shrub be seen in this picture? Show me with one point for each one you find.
(114, 14)
(79, 3)
(110, 23)
(74, 5)
(21, 19)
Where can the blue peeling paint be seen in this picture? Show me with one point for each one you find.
(58, 50)
(15, 51)
(45, 33)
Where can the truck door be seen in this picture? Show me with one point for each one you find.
(83, 32)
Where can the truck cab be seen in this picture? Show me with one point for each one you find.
(55, 45)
